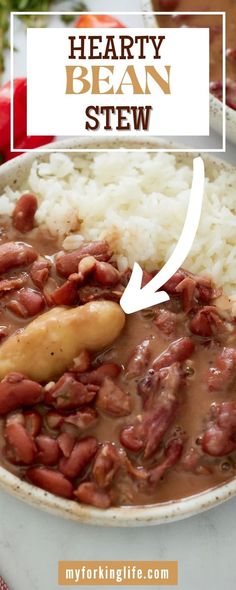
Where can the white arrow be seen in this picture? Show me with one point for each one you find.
(134, 297)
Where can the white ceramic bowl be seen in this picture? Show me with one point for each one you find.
(216, 108)
(13, 173)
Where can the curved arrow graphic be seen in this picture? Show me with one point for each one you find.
(136, 298)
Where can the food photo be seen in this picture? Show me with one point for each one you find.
(109, 419)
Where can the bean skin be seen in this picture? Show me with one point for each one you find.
(24, 212)
(69, 394)
(113, 400)
(178, 351)
(90, 493)
(27, 303)
(33, 423)
(106, 465)
(66, 443)
(221, 377)
(139, 359)
(173, 453)
(98, 375)
(83, 419)
(67, 294)
(39, 272)
(67, 264)
(51, 481)
(105, 274)
(49, 451)
(14, 254)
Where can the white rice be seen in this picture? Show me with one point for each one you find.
(138, 202)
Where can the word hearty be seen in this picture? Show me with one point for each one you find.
(118, 79)
(121, 47)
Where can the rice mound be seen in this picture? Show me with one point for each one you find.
(138, 202)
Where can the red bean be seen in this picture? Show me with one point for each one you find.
(187, 288)
(49, 451)
(82, 362)
(216, 88)
(216, 442)
(157, 425)
(81, 455)
(201, 324)
(27, 303)
(11, 284)
(139, 359)
(39, 272)
(51, 481)
(106, 465)
(69, 394)
(67, 264)
(83, 419)
(33, 423)
(18, 438)
(206, 322)
(98, 375)
(231, 54)
(223, 374)
(66, 443)
(53, 420)
(149, 429)
(90, 493)
(146, 278)
(168, 5)
(113, 400)
(231, 94)
(14, 254)
(166, 382)
(166, 322)
(106, 274)
(130, 439)
(178, 351)
(170, 286)
(219, 437)
(173, 453)
(3, 332)
(24, 212)
(17, 391)
(67, 294)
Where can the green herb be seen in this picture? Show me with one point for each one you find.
(37, 20)
(78, 7)
(67, 18)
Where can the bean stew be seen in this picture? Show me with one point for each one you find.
(103, 409)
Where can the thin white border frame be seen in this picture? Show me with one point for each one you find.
(129, 13)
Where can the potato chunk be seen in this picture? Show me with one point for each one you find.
(48, 345)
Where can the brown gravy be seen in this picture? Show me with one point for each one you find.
(193, 399)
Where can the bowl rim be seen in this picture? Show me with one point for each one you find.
(124, 515)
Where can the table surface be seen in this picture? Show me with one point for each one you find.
(32, 542)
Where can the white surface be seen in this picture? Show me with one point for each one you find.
(32, 542)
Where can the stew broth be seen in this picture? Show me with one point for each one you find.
(149, 418)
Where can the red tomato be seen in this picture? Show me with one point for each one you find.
(100, 20)
(21, 140)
